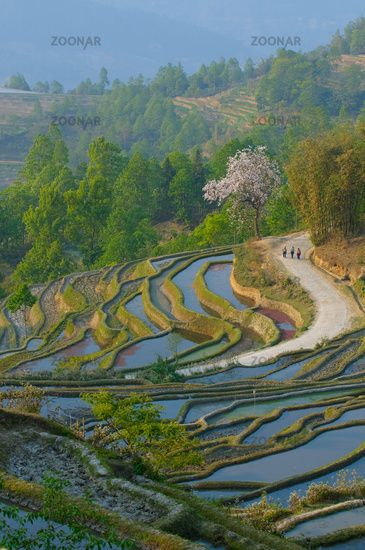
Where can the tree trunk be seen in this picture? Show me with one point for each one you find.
(257, 224)
(25, 320)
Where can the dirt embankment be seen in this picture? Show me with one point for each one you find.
(344, 259)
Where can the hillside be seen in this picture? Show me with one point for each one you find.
(123, 319)
(251, 414)
(234, 106)
(347, 60)
(204, 118)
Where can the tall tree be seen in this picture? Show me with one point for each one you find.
(90, 204)
(327, 177)
(251, 178)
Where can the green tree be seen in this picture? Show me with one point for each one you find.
(103, 79)
(56, 87)
(41, 87)
(37, 159)
(21, 300)
(90, 204)
(43, 262)
(170, 80)
(327, 178)
(128, 235)
(48, 220)
(162, 444)
(280, 215)
(14, 202)
(18, 82)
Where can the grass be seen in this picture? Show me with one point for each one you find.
(156, 315)
(260, 325)
(132, 322)
(74, 300)
(253, 269)
(142, 269)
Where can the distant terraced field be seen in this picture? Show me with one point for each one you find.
(347, 60)
(233, 106)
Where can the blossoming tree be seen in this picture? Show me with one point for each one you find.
(251, 178)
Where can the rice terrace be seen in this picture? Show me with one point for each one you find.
(182, 275)
(259, 383)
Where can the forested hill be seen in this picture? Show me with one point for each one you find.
(177, 111)
(121, 172)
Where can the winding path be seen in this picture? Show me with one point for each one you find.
(334, 310)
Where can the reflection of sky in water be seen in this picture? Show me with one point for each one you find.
(322, 450)
(289, 372)
(158, 298)
(184, 280)
(79, 349)
(355, 414)
(135, 306)
(287, 418)
(148, 351)
(74, 406)
(263, 407)
(356, 366)
(32, 345)
(282, 495)
(198, 410)
(236, 373)
(322, 526)
(32, 527)
(217, 279)
(171, 407)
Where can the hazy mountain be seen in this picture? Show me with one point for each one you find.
(315, 21)
(138, 36)
(132, 41)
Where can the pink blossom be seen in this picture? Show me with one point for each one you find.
(251, 177)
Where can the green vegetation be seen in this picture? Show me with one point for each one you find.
(148, 441)
(74, 300)
(327, 176)
(21, 300)
(253, 269)
(163, 153)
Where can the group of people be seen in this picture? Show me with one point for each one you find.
(292, 252)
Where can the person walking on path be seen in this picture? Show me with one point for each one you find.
(284, 252)
(299, 253)
(292, 250)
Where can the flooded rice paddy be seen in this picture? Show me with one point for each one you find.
(320, 451)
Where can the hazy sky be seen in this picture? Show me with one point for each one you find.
(239, 18)
(138, 36)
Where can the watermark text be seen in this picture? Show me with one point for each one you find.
(78, 41)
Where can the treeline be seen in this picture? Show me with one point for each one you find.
(140, 115)
(56, 220)
(102, 212)
(311, 80)
(352, 41)
(170, 81)
(327, 177)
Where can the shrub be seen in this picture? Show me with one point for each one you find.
(346, 485)
(28, 399)
(295, 502)
(264, 514)
(162, 371)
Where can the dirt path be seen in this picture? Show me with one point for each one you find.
(334, 311)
